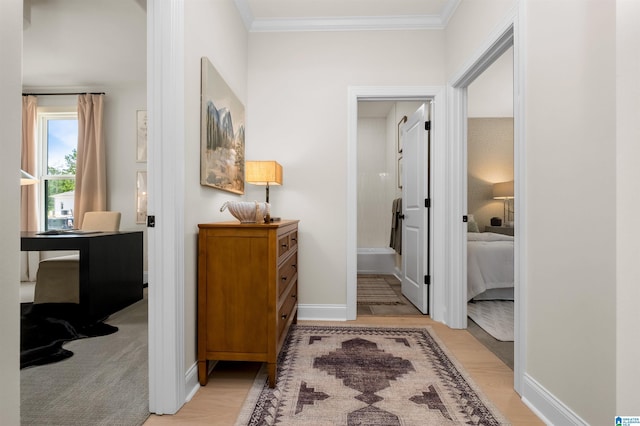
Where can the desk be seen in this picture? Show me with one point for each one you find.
(110, 266)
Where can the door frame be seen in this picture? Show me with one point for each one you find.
(437, 94)
(507, 34)
(165, 164)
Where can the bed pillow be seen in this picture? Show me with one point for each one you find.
(472, 225)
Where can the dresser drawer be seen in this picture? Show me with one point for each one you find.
(286, 272)
(286, 309)
(287, 242)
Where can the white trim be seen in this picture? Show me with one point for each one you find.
(346, 23)
(507, 34)
(350, 23)
(437, 95)
(245, 13)
(165, 105)
(191, 383)
(520, 163)
(546, 406)
(322, 312)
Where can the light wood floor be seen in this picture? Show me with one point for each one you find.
(220, 401)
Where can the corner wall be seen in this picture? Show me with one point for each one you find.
(628, 205)
(571, 203)
(215, 30)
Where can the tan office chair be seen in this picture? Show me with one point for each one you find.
(58, 278)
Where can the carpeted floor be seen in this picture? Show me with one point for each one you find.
(363, 375)
(494, 316)
(105, 382)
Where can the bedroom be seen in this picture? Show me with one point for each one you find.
(490, 236)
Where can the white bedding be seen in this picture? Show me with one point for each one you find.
(489, 262)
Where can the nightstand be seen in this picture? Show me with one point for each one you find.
(499, 230)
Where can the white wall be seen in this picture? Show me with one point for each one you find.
(571, 203)
(628, 204)
(298, 86)
(469, 27)
(215, 30)
(489, 161)
(376, 182)
(10, 130)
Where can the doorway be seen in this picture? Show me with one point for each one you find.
(379, 190)
(392, 94)
(490, 231)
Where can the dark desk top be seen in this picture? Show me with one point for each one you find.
(37, 241)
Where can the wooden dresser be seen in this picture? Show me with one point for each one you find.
(247, 291)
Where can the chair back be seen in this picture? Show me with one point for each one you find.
(101, 221)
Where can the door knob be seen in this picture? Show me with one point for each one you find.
(401, 216)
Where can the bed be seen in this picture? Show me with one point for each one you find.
(489, 266)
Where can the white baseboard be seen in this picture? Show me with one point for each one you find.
(546, 406)
(322, 312)
(191, 384)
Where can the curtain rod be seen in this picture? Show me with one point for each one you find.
(63, 94)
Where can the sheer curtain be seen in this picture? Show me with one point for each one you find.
(29, 193)
(91, 174)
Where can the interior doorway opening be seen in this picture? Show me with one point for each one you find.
(490, 195)
(359, 95)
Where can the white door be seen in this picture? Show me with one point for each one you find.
(415, 172)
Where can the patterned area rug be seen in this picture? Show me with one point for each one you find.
(373, 290)
(494, 316)
(351, 376)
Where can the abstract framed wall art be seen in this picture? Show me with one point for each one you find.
(141, 136)
(221, 133)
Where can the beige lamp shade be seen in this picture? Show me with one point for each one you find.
(26, 178)
(263, 172)
(503, 190)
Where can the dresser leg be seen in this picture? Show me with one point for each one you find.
(272, 374)
(203, 377)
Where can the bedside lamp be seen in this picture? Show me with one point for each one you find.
(26, 178)
(264, 173)
(504, 191)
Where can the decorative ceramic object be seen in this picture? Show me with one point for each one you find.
(247, 211)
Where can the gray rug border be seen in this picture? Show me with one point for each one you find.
(260, 381)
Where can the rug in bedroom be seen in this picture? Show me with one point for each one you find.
(45, 327)
(330, 375)
(494, 316)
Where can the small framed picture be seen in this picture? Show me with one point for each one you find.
(141, 197)
(141, 133)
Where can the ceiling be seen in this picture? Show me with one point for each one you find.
(324, 15)
(84, 44)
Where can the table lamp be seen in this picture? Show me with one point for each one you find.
(504, 191)
(264, 173)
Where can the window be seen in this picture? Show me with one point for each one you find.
(58, 144)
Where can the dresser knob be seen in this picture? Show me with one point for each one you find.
(294, 239)
(283, 278)
(284, 317)
(283, 246)
(295, 267)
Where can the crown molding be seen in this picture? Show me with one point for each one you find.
(350, 23)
